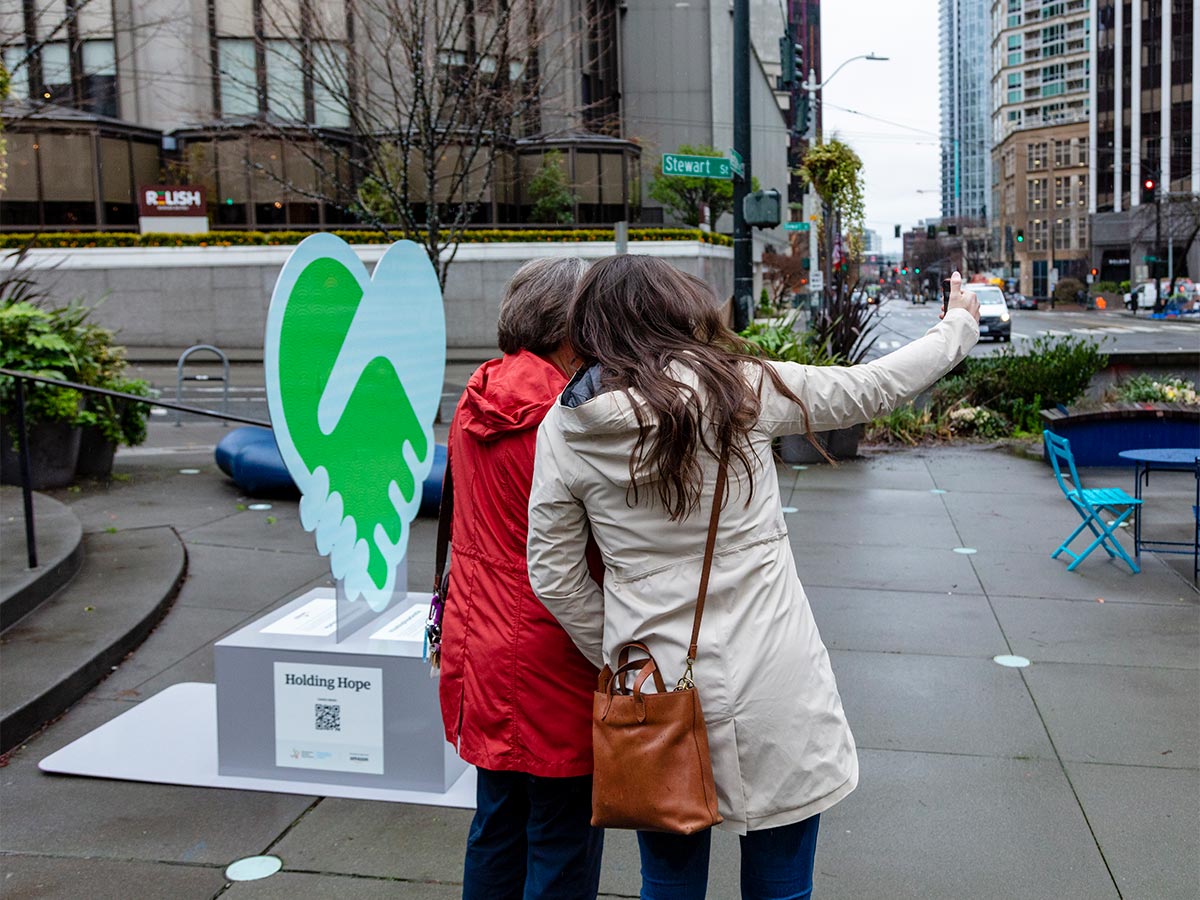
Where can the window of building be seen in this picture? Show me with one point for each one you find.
(1081, 233)
(1014, 20)
(1038, 231)
(239, 77)
(1014, 42)
(1062, 234)
(1036, 155)
(1062, 191)
(1015, 116)
(288, 59)
(1081, 152)
(1062, 153)
(1014, 79)
(1081, 190)
(1036, 193)
(1014, 96)
(1014, 59)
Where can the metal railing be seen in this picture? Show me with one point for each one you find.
(19, 379)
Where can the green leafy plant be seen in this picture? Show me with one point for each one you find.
(550, 191)
(835, 172)
(72, 239)
(1148, 389)
(782, 340)
(908, 425)
(1067, 290)
(844, 327)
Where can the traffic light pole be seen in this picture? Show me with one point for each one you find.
(743, 263)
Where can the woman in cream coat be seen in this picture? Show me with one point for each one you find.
(658, 360)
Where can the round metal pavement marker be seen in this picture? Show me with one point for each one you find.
(965, 551)
(791, 509)
(936, 491)
(252, 868)
(257, 506)
(189, 471)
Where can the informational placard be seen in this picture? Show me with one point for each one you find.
(316, 618)
(329, 717)
(407, 626)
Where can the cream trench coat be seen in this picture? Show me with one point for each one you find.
(781, 747)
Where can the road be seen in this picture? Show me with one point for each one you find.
(901, 322)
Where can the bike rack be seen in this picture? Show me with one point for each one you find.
(180, 378)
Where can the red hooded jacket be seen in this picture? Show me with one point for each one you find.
(516, 694)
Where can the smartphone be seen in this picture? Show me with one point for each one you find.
(945, 295)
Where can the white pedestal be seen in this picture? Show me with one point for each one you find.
(295, 704)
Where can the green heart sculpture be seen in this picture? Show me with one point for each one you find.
(354, 370)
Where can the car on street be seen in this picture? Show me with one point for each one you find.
(1020, 301)
(994, 319)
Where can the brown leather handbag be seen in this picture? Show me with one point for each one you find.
(652, 767)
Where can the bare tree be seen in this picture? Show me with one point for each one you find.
(433, 95)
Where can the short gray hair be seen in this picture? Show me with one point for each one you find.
(533, 313)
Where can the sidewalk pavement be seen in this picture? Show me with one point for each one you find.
(1077, 777)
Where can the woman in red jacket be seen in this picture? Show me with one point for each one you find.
(516, 694)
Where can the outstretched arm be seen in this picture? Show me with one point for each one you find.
(838, 396)
(557, 548)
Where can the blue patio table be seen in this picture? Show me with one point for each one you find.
(1167, 459)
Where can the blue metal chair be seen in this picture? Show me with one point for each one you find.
(1089, 503)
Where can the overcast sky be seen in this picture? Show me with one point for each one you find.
(897, 162)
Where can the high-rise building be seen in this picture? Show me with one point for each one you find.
(1145, 158)
(1039, 123)
(964, 39)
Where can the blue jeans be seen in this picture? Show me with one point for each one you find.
(532, 838)
(777, 864)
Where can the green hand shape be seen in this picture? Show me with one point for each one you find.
(363, 454)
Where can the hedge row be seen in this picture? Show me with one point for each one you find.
(55, 239)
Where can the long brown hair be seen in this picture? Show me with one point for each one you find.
(635, 315)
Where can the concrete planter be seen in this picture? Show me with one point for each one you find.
(1098, 435)
(96, 453)
(53, 454)
(841, 443)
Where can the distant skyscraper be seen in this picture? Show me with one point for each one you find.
(872, 242)
(965, 75)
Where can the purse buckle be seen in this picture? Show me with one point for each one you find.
(685, 682)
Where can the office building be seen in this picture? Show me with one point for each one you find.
(1040, 102)
(267, 104)
(1146, 113)
(964, 81)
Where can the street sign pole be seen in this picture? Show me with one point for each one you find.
(743, 273)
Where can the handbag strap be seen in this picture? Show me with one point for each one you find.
(445, 516)
(706, 569)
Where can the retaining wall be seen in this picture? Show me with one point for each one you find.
(168, 297)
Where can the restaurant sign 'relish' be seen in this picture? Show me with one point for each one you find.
(171, 200)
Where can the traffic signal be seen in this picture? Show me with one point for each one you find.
(904, 270)
(791, 61)
(803, 121)
(897, 231)
(1148, 186)
(931, 232)
(1020, 235)
(1095, 271)
(917, 270)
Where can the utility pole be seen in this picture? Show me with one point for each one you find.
(743, 263)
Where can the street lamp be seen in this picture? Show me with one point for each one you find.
(812, 87)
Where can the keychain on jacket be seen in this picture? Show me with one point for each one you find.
(432, 650)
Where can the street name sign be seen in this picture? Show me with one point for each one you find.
(736, 164)
(795, 226)
(697, 166)
(816, 281)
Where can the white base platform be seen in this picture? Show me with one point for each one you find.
(171, 738)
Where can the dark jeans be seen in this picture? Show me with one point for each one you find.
(777, 864)
(532, 838)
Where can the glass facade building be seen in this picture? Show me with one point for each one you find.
(965, 37)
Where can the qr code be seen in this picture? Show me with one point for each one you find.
(327, 717)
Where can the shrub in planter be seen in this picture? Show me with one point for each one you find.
(62, 344)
